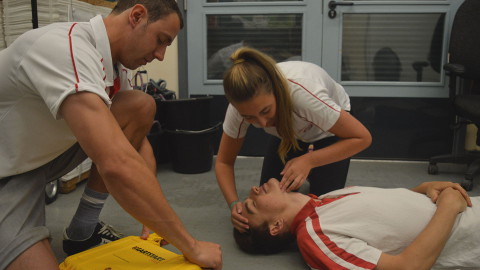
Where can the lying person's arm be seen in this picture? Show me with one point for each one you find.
(427, 246)
(433, 189)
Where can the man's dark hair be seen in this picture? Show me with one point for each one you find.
(260, 241)
(157, 9)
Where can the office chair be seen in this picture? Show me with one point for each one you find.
(435, 52)
(387, 65)
(464, 87)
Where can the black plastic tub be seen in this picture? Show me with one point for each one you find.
(191, 151)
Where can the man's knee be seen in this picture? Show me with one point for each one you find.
(136, 106)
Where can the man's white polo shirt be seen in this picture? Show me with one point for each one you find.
(38, 71)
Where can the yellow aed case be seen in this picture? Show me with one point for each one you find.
(128, 253)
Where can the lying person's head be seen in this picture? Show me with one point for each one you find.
(270, 213)
(259, 240)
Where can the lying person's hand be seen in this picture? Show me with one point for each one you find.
(452, 198)
(163, 242)
(434, 189)
(239, 222)
(145, 232)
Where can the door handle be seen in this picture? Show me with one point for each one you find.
(332, 13)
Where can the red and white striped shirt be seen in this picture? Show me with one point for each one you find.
(351, 227)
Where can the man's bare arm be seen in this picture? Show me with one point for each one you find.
(433, 189)
(127, 176)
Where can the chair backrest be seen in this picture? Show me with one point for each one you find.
(465, 39)
(387, 65)
(435, 55)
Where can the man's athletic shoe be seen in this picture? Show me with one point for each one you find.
(103, 234)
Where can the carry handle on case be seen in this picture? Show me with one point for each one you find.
(128, 253)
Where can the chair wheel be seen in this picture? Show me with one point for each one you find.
(467, 184)
(432, 169)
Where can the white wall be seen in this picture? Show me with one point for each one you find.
(166, 69)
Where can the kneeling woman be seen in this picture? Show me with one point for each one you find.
(302, 107)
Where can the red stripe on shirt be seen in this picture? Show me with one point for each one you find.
(314, 95)
(240, 128)
(115, 87)
(321, 260)
(340, 252)
(308, 121)
(315, 257)
(73, 58)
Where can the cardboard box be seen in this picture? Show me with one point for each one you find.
(471, 138)
(101, 3)
(68, 182)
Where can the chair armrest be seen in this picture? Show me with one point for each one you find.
(455, 69)
(419, 65)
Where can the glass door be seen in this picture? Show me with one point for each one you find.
(216, 28)
(387, 48)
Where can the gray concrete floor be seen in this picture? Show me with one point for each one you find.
(199, 203)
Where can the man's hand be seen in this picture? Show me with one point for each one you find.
(239, 222)
(206, 255)
(434, 189)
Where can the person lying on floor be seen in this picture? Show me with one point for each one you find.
(366, 227)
